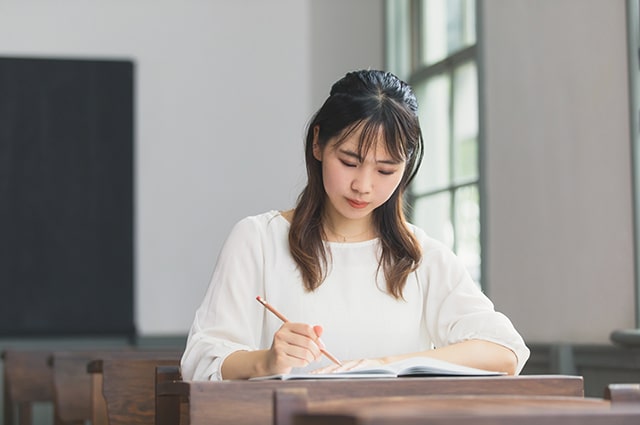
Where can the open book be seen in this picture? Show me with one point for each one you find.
(415, 366)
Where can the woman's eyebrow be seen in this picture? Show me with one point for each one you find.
(389, 161)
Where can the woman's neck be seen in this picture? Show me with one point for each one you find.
(341, 229)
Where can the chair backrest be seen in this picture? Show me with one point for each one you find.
(128, 387)
(623, 393)
(168, 409)
(72, 384)
(27, 379)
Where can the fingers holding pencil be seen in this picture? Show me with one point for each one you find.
(294, 345)
(317, 329)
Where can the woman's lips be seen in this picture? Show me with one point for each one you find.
(357, 204)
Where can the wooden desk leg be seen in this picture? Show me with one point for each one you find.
(8, 406)
(56, 415)
(98, 403)
(184, 413)
(24, 413)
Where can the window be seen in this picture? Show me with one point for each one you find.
(431, 44)
(633, 28)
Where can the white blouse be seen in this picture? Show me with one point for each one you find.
(442, 305)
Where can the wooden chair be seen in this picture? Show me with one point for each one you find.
(623, 393)
(73, 384)
(251, 402)
(292, 406)
(169, 411)
(123, 389)
(27, 379)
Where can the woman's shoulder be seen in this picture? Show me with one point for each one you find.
(256, 230)
(436, 255)
(272, 219)
(427, 242)
(432, 248)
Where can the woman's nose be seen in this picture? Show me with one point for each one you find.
(363, 182)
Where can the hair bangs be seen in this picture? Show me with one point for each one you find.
(373, 131)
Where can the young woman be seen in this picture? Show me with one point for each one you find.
(377, 288)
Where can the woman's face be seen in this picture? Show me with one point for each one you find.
(357, 186)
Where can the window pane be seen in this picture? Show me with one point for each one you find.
(434, 120)
(434, 30)
(465, 122)
(467, 225)
(447, 26)
(399, 37)
(463, 14)
(433, 214)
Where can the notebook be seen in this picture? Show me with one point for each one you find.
(412, 367)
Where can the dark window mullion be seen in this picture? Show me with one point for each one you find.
(452, 161)
(422, 72)
(415, 14)
(449, 188)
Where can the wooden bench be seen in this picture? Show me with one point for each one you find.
(27, 380)
(292, 406)
(251, 402)
(123, 389)
(73, 383)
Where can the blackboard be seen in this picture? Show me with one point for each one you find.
(66, 197)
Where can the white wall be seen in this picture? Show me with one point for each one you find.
(223, 92)
(345, 35)
(559, 253)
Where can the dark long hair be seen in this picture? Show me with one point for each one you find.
(373, 101)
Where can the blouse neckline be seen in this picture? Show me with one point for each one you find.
(332, 244)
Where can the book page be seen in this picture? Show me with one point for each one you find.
(415, 366)
(427, 366)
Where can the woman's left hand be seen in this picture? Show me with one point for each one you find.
(351, 365)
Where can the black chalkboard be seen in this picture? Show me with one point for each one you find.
(66, 197)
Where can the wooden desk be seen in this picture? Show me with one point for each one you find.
(251, 402)
(27, 379)
(621, 405)
(123, 389)
(476, 410)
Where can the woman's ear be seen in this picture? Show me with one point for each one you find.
(317, 152)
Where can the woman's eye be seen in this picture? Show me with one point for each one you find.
(348, 164)
(386, 172)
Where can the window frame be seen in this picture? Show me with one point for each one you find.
(416, 72)
(633, 35)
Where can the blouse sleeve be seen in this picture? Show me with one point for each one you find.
(457, 310)
(225, 322)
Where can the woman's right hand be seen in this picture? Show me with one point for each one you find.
(294, 345)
